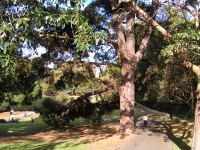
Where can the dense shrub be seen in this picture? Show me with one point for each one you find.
(17, 108)
(59, 113)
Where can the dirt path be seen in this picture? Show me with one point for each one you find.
(147, 140)
(152, 138)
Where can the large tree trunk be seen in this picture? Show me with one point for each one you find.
(127, 97)
(129, 59)
(196, 136)
(126, 50)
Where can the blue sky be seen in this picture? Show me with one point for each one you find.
(88, 2)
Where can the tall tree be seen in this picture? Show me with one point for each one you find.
(131, 49)
(186, 48)
(129, 56)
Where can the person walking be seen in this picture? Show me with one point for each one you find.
(11, 115)
(145, 120)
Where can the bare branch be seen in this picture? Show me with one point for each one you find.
(181, 6)
(149, 20)
(130, 32)
(87, 62)
(99, 91)
(193, 67)
(143, 45)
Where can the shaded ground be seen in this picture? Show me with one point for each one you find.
(180, 132)
(152, 138)
(75, 132)
(159, 134)
(96, 138)
(72, 136)
(162, 133)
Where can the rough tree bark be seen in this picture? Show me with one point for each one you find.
(126, 50)
(196, 136)
(130, 57)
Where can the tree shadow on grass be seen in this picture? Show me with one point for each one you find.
(33, 145)
(179, 140)
(84, 133)
(178, 133)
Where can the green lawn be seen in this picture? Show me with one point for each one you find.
(23, 127)
(180, 132)
(35, 145)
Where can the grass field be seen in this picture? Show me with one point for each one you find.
(180, 132)
(23, 127)
(38, 145)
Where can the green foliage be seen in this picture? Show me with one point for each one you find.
(185, 39)
(21, 78)
(55, 28)
(8, 99)
(22, 23)
(185, 44)
(23, 127)
(19, 98)
(168, 51)
(48, 87)
(111, 75)
(78, 78)
(58, 113)
(78, 26)
(37, 91)
(29, 145)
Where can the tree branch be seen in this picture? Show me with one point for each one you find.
(120, 33)
(173, 4)
(143, 45)
(149, 20)
(87, 62)
(98, 91)
(130, 32)
(193, 67)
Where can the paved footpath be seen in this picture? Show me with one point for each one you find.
(148, 139)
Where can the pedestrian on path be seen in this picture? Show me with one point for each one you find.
(32, 120)
(11, 113)
(145, 120)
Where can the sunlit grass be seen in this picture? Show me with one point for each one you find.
(28, 118)
(30, 145)
(181, 137)
(23, 127)
(180, 132)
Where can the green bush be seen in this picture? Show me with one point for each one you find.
(58, 113)
(19, 98)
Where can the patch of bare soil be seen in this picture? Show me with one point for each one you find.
(96, 138)
(5, 115)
